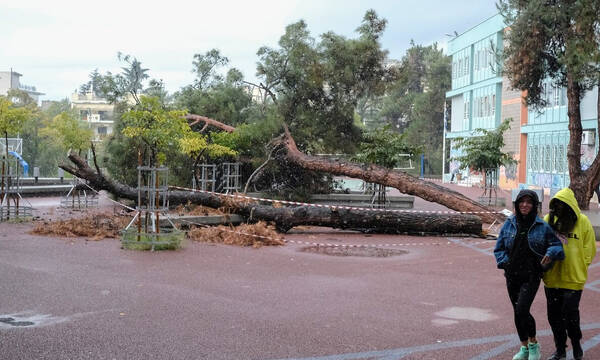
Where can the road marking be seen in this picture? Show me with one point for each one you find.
(462, 243)
(507, 342)
(497, 350)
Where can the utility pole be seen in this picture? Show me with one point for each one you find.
(444, 145)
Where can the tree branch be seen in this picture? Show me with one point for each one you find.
(208, 121)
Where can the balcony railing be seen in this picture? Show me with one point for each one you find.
(27, 88)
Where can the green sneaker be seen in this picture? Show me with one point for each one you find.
(523, 354)
(534, 351)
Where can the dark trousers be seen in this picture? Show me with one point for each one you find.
(563, 315)
(521, 291)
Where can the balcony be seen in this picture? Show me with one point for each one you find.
(98, 118)
(27, 88)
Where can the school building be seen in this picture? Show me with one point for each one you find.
(481, 98)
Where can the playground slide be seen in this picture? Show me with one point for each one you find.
(24, 163)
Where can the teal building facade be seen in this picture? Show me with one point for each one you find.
(481, 98)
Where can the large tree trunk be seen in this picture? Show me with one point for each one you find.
(400, 180)
(287, 218)
(582, 182)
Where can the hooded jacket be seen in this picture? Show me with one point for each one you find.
(541, 237)
(580, 249)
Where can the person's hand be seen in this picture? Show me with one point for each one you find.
(546, 260)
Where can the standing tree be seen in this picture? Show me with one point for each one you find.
(213, 95)
(12, 120)
(414, 102)
(386, 148)
(483, 152)
(154, 129)
(557, 40)
(70, 133)
(316, 86)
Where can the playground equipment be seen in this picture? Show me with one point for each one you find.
(225, 177)
(153, 200)
(78, 197)
(23, 163)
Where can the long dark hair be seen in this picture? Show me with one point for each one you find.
(562, 217)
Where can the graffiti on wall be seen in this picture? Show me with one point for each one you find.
(588, 153)
(510, 171)
(547, 180)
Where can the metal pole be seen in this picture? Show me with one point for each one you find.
(444, 146)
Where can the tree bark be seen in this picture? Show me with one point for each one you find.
(208, 121)
(582, 182)
(400, 180)
(289, 217)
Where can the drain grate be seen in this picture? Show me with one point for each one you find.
(12, 322)
(353, 251)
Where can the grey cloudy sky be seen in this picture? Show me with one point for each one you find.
(56, 44)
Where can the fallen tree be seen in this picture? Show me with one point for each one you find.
(286, 218)
(400, 180)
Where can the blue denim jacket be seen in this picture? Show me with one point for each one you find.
(541, 238)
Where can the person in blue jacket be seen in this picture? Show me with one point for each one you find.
(526, 247)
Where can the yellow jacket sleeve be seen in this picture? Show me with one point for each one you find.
(589, 244)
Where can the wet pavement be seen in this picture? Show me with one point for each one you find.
(437, 298)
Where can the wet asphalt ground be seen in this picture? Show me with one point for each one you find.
(438, 298)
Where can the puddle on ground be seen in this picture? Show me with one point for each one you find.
(12, 322)
(28, 319)
(353, 251)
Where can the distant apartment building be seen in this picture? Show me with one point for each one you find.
(96, 112)
(12, 80)
(482, 98)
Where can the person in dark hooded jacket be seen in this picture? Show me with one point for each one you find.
(526, 246)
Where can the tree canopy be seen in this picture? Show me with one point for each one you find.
(69, 132)
(557, 42)
(12, 118)
(316, 85)
(483, 151)
(385, 147)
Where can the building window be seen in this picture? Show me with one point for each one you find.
(102, 130)
(482, 59)
(534, 158)
(547, 158)
(562, 159)
(556, 94)
(493, 105)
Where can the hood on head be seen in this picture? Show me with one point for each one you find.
(567, 196)
(526, 192)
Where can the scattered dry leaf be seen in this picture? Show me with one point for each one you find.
(95, 226)
(240, 235)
